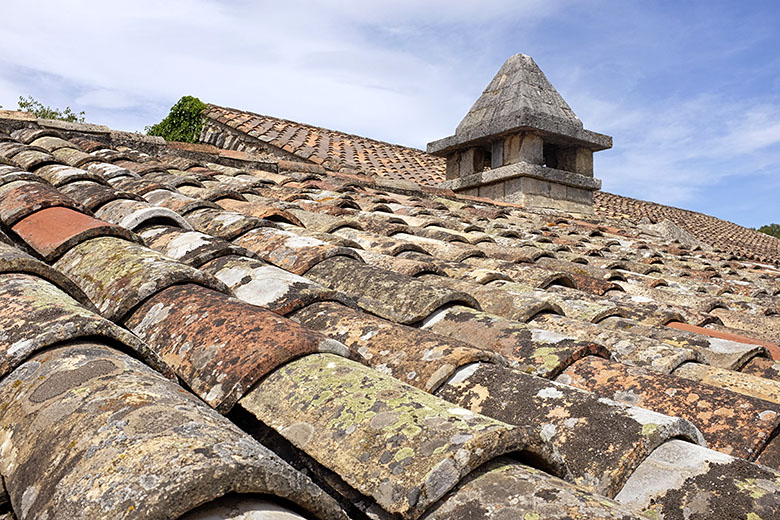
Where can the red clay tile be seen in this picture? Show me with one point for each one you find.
(53, 231)
(218, 345)
(29, 197)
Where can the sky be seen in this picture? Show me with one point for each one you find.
(690, 91)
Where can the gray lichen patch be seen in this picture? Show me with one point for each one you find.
(87, 432)
(505, 490)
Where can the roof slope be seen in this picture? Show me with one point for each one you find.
(330, 148)
(233, 129)
(184, 327)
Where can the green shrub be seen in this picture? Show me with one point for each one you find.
(28, 104)
(183, 123)
(771, 229)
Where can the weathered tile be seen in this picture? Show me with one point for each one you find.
(36, 315)
(12, 260)
(22, 198)
(91, 433)
(218, 345)
(681, 481)
(504, 489)
(135, 214)
(717, 352)
(223, 224)
(73, 157)
(92, 195)
(30, 134)
(387, 294)
(109, 171)
(415, 356)
(117, 275)
(50, 143)
(731, 423)
(624, 346)
(400, 446)
(53, 231)
(59, 174)
(600, 441)
(528, 349)
(290, 251)
(189, 247)
(174, 201)
(30, 158)
(259, 283)
(738, 382)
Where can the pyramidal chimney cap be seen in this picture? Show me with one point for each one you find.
(521, 130)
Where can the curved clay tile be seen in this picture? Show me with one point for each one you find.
(12, 260)
(600, 441)
(376, 243)
(135, 214)
(117, 275)
(414, 356)
(732, 423)
(189, 247)
(109, 171)
(73, 157)
(19, 199)
(505, 489)
(175, 201)
(59, 174)
(223, 224)
(218, 345)
(721, 353)
(259, 210)
(526, 348)
(92, 195)
(265, 285)
(53, 231)
(680, 480)
(398, 445)
(406, 266)
(290, 251)
(738, 382)
(387, 294)
(50, 143)
(30, 134)
(36, 315)
(137, 186)
(91, 433)
(624, 346)
(30, 159)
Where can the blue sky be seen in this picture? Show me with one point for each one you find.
(690, 91)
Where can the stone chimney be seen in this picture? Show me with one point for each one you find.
(521, 142)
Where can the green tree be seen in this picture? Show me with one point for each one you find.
(28, 104)
(771, 229)
(183, 123)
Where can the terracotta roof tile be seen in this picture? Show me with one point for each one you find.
(377, 271)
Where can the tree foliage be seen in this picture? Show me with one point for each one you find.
(183, 123)
(29, 104)
(771, 229)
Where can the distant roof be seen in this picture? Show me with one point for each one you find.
(335, 150)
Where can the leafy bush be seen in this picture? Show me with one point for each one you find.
(28, 104)
(771, 229)
(183, 123)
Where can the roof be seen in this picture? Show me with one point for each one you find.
(193, 331)
(520, 97)
(330, 148)
(231, 129)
